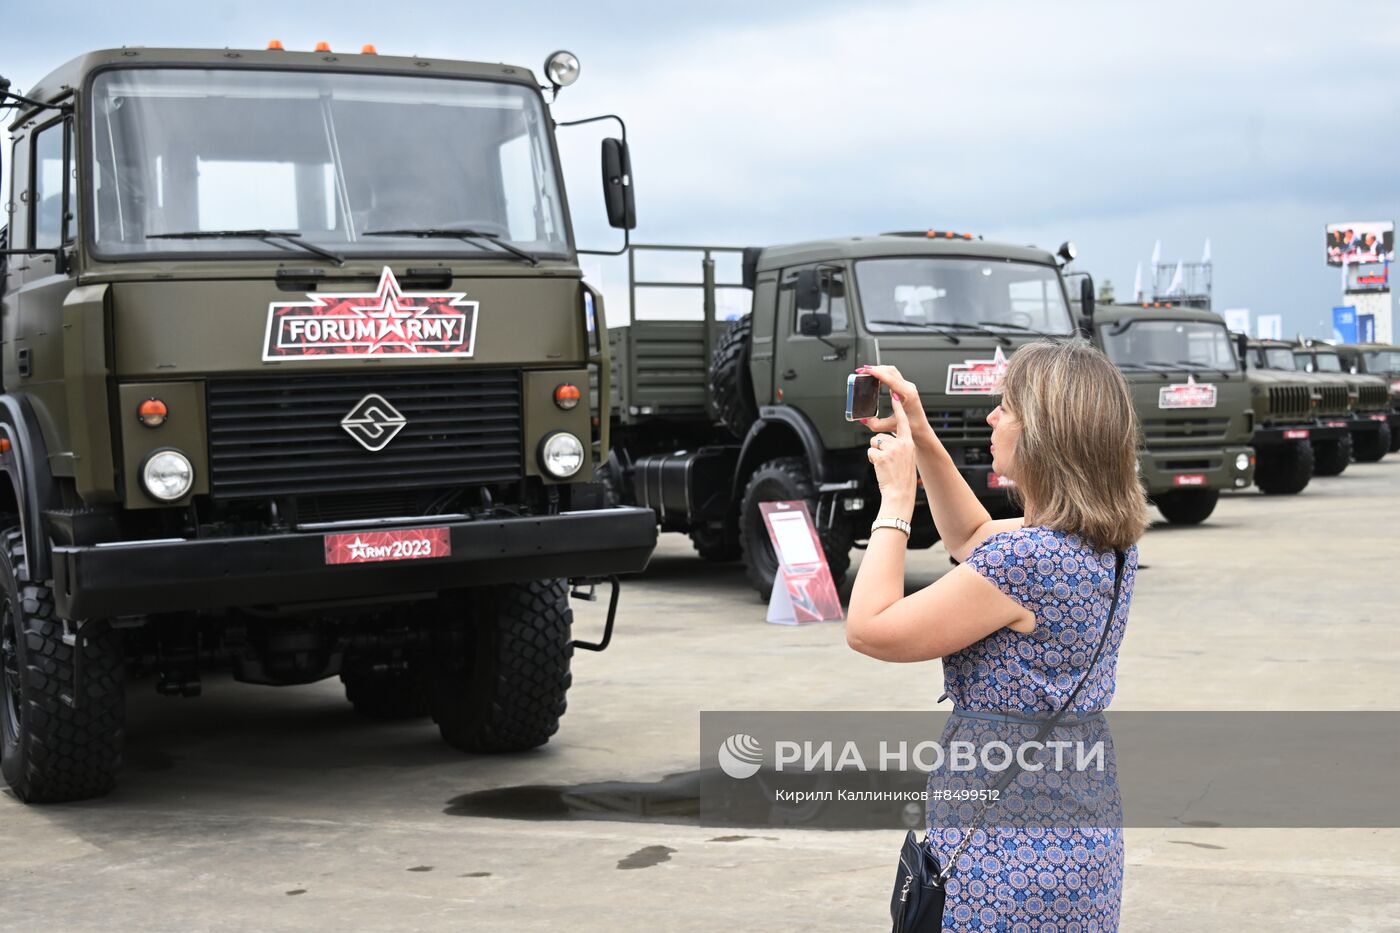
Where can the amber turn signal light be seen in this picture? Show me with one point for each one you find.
(275, 45)
(566, 396)
(152, 412)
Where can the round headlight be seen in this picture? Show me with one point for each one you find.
(561, 455)
(167, 475)
(1242, 462)
(562, 68)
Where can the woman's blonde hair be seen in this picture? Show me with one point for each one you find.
(1076, 459)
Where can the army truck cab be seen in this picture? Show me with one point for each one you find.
(1369, 423)
(1329, 434)
(295, 346)
(713, 419)
(1382, 361)
(1192, 399)
(1285, 407)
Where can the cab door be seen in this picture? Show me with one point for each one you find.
(810, 373)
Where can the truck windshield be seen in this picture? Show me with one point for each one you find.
(1179, 343)
(1326, 362)
(1279, 358)
(908, 294)
(1383, 361)
(327, 157)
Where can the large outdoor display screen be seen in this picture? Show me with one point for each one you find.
(1360, 241)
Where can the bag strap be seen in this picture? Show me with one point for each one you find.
(1119, 559)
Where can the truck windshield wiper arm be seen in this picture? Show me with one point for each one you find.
(466, 236)
(267, 236)
(952, 338)
(1150, 367)
(1189, 364)
(979, 330)
(1020, 328)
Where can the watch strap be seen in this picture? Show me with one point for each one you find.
(897, 523)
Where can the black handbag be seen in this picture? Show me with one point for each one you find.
(916, 906)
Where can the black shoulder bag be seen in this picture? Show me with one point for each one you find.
(916, 906)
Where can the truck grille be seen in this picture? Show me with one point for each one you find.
(1183, 431)
(1289, 403)
(1334, 400)
(281, 435)
(1373, 398)
(968, 424)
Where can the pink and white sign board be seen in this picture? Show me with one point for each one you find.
(803, 590)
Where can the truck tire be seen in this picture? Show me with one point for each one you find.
(1394, 441)
(1187, 506)
(53, 752)
(717, 545)
(730, 381)
(1368, 447)
(385, 694)
(501, 669)
(785, 479)
(1285, 469)
(1330, 458)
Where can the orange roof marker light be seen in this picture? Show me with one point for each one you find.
(368, 49)
(323, 46)
(275, 45)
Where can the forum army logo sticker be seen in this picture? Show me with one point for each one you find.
(977, 377)
(387, 322)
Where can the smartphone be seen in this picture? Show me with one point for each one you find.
(862, 397)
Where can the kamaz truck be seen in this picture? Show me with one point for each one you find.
(711, 419)
(1329, 435)
(1382, 361)
(1286, 426)
(1192, 400)
(296, 361)
(1369, 424)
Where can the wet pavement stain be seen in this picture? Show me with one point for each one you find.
(296, 891)
(476, 874)
(1199, 845)
(646, 857)
(420, 868)
(673, 799)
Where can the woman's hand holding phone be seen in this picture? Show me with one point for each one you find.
(908, 393)
(896, 469)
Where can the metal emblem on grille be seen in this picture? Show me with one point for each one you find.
(373, 422)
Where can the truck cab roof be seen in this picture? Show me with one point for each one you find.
(869, 247)
(1115, 312)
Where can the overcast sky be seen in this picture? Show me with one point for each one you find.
(1112, 124)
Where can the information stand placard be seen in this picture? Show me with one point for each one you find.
(803, 590)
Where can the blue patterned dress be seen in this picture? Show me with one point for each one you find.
(1024, 878)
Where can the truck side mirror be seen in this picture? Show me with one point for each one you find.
(1242, 350)
(750, 266)
(1086, 296)
(617, 185)
(809, 290)
(815, 324)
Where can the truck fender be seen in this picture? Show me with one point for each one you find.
(26, 464)
(779, 431)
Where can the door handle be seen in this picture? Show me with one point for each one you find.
(790, 374)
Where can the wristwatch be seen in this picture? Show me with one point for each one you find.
(898, 523)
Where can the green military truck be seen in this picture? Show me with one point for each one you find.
(1332, 402)
(294, 350)
(711, 419)
(1383, 361)
(1285, 404)
(1192, 399)
(1369, 424)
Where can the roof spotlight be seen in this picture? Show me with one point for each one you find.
(1067, 251)
(562, 68)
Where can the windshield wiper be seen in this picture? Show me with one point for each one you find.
(979, 330)
(1191, 364)
(1150, 367)
(466, 236)
(952, 338)
(272, 237)
(1021, 329)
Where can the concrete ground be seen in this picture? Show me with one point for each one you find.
(258, 808)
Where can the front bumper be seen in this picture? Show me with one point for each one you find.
(1368, 422)
(1272, 436)
(139, 577)
(1169, 469)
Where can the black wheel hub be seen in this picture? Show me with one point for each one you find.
(9, 666)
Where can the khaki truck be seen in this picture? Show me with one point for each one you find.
(1369, 424)
(1330, 435)
(712, 418)
(1285, 406)
(1383, 361)
(1192, 400)
(295, 346)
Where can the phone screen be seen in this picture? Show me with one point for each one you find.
(862, 397)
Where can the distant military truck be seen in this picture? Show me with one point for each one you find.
(1285, 406)
(295, 349)
(712, 419)
(1192, 400)
(1381, 360)
(1333, 403)
(1370, 396)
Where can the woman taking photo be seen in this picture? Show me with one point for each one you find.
(1018, 623)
